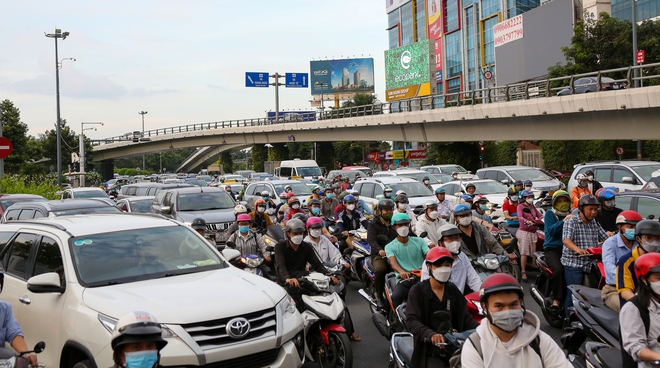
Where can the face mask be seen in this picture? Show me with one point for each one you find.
(433, 215)
(630, 234)
(402, 206)
(652, 246)
(316, 211)
(528, 188)
(426, 181)
(265, 198)
(609, 203)
(297, 239)
(388, 194)
(563, 206)
(655, 286)
(295, 206)
(508, 320)
(529, 200)
(350, 207)
(283, 200)
(141, 359)
(329, 195)
(315, 233)
(590, 178)
(453, 247)
(465, 221)
(442, 274)
(403, 231)
(483, 207)
(261, 209)
(387, 216)
(514, 199)
(582, 184)
(244, 229)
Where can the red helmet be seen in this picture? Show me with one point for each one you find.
(499, 282)
(438, 253)
(244, 217)
(314, 222)
(293, 199)
(649, 262)
(628, 217)
(290, 194)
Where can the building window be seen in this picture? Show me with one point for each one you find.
(420, 20)
(454, 85)
(489, 7)
(454, 54)
(489, 41)
(393, 33)
(407, 35)
(470, 45)
(450, 11)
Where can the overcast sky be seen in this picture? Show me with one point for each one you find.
(182, 61)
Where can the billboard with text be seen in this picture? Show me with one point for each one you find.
(342, 78)
(408, 71)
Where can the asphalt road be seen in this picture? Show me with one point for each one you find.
(373, 350)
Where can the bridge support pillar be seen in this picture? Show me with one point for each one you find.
(107, 169)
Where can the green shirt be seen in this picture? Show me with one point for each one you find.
(409, 256)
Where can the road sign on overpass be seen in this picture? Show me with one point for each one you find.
(256, 79)
(297, 80)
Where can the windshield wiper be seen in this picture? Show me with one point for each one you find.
(212, 208)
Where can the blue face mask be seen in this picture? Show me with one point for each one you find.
(483, 207)
(244, 229)
(630, 234)
(265, 198)
(388, 194)
(329, 195)
(141, 359)
(283, 200)
(316, 211)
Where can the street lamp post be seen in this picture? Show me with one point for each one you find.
(81, 139)
(63, 35)
(144, 168)
(322, 85)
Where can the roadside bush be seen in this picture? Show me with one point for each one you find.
(43, 185)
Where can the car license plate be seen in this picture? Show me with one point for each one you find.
(615, 86)
(217, 227)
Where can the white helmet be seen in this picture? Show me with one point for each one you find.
(400, 192)
(240, 209)
(136, 327)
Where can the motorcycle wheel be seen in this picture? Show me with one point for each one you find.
(338, 354)
(513, 270)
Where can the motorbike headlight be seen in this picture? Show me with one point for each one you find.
(253, 262)
(491, 263)
(363, 235)
(268, 241)
(288, 306)
(322, 285)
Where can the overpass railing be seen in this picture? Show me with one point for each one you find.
(646, 74)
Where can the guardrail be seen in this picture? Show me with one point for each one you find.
(513, 92)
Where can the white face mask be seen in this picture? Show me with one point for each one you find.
(465, 221)
(350, 207)
(453, 247)
(508, 320)
(295, 206)
(261, 209)
(442, 274)
(652, 246)
(433, 215)
(297, 239)
(402, 206)
(403, 231)
(529, 200)
(315, 233)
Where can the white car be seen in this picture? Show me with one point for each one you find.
(69, 279)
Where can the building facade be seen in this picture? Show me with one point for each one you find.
(646, 10)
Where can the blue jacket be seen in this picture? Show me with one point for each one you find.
(553, 229)
(363, 207)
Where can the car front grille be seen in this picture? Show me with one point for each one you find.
(213, 334)
(221, 226)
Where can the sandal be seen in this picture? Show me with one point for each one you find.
(524, 277)
(355, 337)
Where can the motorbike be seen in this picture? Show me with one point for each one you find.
(357, 256)
(10, 359)
(488, 264)
(250, 262)
(326, 341)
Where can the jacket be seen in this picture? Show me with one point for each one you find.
(420, 316)
(553, 230)
(377, 227)
(344, 222)
(253, 243)
(520, 354)
(462, 274)
(576, 193)
(533, 215)
(260, 220)
(430, 226)
(486, 242)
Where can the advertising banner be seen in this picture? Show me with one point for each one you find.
(342, 78)
(396, 155)
(408, 71)
(508, 30)
(435, 23)
(438, 60)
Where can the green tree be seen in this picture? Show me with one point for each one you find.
(16, 131)
(69, 145)
(465, 154)
(301, 150)
(500, 153)
(226, 161)
(349, 152)
(325, 155)
(279, 152)
(259, 156)
(361, 99)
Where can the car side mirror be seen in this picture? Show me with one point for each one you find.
(627, 179)
(505, 181)
(49, 282)
(458, 194)
(166, 209)
(230, 254)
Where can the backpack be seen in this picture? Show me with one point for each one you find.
(627, 360)
(475, 339)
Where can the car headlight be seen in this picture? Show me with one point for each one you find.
(110, 323)
(491, 263)
(288, 306)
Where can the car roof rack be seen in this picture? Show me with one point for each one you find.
(41, 222)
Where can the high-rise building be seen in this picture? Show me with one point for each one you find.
(356, 78)
(646, 10)
(345, 80)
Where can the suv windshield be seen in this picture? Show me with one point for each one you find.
(489, 187)
(204, 201)
(140, 254)
(90, 194)
(412, 190)
(452, 169)
(645, 171)
(420, 176)
(309, 171)
(299, 189)
(86, 211)
(529, 174)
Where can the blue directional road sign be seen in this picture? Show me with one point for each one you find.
(297, 80)
(256, 79)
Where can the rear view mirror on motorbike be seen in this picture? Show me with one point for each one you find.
(382, 240)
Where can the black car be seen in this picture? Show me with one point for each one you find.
(590, 84)
(646, 202)
(59, 207)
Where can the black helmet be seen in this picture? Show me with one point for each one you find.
(198, 224)
(647, 227)
(313, 201)
(588, 199)
(470, 185)
(385, 204)
(295, 225)
(425, 178)
(512, 192)
(300, 216)
(402, 198)
(518, 182)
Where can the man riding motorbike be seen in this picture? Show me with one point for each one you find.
(426, 181)
(349, 219)
(362, 206)
(552, 246)
(580, 190)
(429, 222)
(530, 219)
(608, 212)
(380, 225)
(402, 206)
(234, 226)
(260, 220)
(294, 208)
(444, 205)
(510, 209)
(479, 208)
(477, 240)
(328, 204)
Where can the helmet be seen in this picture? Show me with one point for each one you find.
(467, 198)
(440, 190)
(605, 194)
(244, 217)
(400, 191)
(259, 203)
(560, 193)
(462, 210)
(447, 230)
(354, 192)
(349, 198)
(400, 219)
(401, 198)
(512, 192)
(283, 195)
(425, 178)
(314, 188)
(528, 183)
(387, 189)
(647, 227)
(499, 282)
(628, 217)
(436, 254)
(480, 198)
(136, 327)
(313, 201)
(300, 216)
(649, 262)
(589, 199)
(386, 204)
(527, 193)
(328, 189)
(581, 177)
(342, 195)
(287, 187)
(265, 193)
(239, 209)
(470, 185)
(198, 224)
(430, 204)
(290, 195)
(294, 225)
(293, 199)
(517, 182)
(314, 223)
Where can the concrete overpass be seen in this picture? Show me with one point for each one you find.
(515, 114)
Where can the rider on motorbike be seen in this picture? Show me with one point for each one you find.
(349, 219)
(260, 219)
(444, 205)
(362, 206)
(510, 209)
(477, 240)
(294, 208)
(479, 208)
(248, 241)
(402, 206)
(136, 341)
(580, 190)
(380, 225)
(265, 195)
(647, 234)
(552, 246)
(426, 180)
(429, 222)
(328, 204)
(518, 186)
(234, 226)
(280, 214)
(387, 193)
(11, 331)
(608, 212)
(530, 219)
(314, 207)
(470, 189)
(437, 293)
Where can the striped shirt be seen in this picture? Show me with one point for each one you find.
(583, 236)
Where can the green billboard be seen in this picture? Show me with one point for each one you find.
(407, 71)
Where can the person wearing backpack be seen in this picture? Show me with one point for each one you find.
(640, 317)
(510, 335)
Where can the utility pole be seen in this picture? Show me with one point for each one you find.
(58, 34)
(144, 168)
(81, 142)
(277, 83)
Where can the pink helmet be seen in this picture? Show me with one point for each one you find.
(314, 221)
(244, 217)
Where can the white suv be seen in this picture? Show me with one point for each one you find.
(625, 174)
(69, 279)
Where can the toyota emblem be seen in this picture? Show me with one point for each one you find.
(238, 328)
